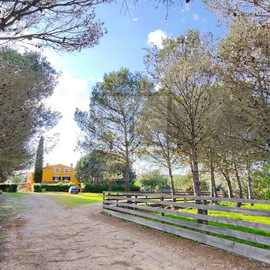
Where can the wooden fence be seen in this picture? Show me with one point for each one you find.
(190, 193)
(176, 215)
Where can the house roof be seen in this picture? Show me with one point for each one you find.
(58, 166)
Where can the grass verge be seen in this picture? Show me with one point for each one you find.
(8, 207)
(67, 199)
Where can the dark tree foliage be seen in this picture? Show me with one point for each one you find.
(26, 81)
(39, 162)
(99, 167)
(90, 168)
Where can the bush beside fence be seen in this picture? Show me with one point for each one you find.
(99, 188)
(196, 218)
(8, 187)
(52, 187)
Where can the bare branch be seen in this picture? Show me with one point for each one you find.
(63, 25)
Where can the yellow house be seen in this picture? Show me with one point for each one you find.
(53, 174)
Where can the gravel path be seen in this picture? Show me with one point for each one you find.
(47, 236)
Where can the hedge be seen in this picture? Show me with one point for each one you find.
(52, 187)
(9, 187)
(99, 188)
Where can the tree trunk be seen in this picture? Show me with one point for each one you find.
(195, 173)
(213, 182)
(196, 181)
(127, 167)
(127, 177)
(171, 182)
(238, 182)
(229, 183)
(110, 185)
(171, 179)
(127, 161)
(168, 156)
(249, 182)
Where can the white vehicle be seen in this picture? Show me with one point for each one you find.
(73, 190)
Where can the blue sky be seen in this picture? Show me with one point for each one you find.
(123, 46)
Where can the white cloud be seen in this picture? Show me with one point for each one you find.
(195, 17)
(155, 38)
(70, 93)
(186, 8)
(135, 19)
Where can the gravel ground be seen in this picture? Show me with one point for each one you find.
(48, 236)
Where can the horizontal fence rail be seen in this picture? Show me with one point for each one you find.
(212, 221)
(190, 193)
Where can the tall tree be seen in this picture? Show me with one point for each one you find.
(39, 161)
(244, 58)
(184, 67)
(114, 108)
(155, 136)
(26, 81)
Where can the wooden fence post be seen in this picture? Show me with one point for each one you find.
(205, 212)
(162, 206)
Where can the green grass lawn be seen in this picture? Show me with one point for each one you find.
(67, 199)
(14, 195)
(238, 216)
(8, 207)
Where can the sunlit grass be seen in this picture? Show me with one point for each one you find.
(247, 206)
(15, 195)
(257, 206)
(265, 220)
(257, 219)
(67, 199)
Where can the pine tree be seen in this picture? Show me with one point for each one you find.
(39, 162)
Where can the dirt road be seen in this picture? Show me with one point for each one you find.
(47, 236)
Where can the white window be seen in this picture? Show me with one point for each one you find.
(66, 170)
(56, 170)
(56, 178)
(66, 178)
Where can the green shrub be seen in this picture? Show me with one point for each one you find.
(267, 195)
(132, 187)
(95, 188)
(59, 187)
(99, 188)
(37, 188)
(118, 187)
(9, 187)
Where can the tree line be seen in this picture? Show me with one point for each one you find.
(203, 102)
